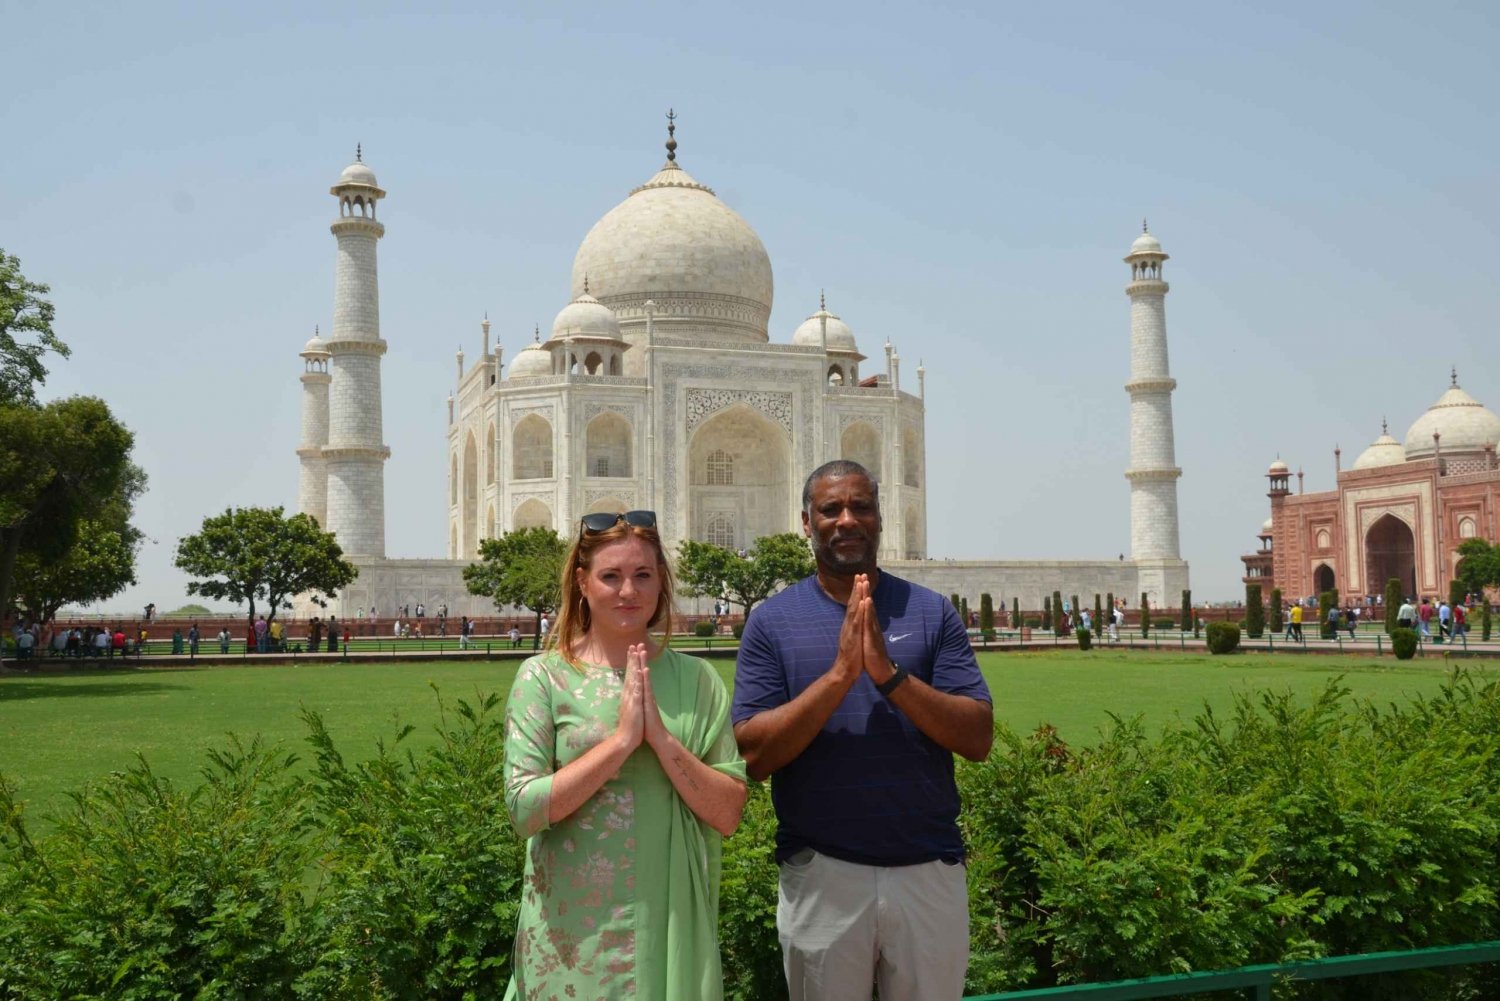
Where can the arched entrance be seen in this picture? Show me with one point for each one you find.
(1391, 551)
(471, 497)
(739, 479)
(1323, 579)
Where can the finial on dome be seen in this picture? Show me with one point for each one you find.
(315, 330)
(822, 301)
(1143, 225)
(536, 334)
(1455, 377)
(359, 153)
(671, 136)
(585, 284)
(1383, 429)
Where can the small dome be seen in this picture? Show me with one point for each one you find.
(1145, 244)
(840, 337)
(314, 346)
(1463, 422)
(358, 173)
(1265, 528)
(531, 360)
(586, 317)
(1383, 451)
(1277, 468)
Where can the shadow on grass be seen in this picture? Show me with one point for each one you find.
(21, 690)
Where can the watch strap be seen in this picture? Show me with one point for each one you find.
(893, 682)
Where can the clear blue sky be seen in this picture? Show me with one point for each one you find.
(961, 179)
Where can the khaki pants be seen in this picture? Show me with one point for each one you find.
(846, 927)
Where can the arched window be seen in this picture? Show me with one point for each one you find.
(453, 480)
(489, 455)
(1466, 528)
(531, 445)
(1324, 539)
(720, 531)
(835, 375)
(607, 446)
(593, 363)
(911, 458)
(720, 468)
(861, 443)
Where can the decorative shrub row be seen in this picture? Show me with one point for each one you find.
(1285, 831)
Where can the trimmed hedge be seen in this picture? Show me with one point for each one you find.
(1085, 638)
(1404, 642)
(1223, 637)
(703, 628)
(1219, 842)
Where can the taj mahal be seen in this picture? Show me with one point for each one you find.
(659, 386)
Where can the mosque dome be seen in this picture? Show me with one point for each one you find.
(586, 316)
(1383, 451)
(315, 346)
(358, 173)
(1145, 244)
(1265, 528)
(672, 241)
(1464, 424)
(532, 360)
(1278, 468)
(840, 337)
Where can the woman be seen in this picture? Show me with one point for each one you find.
(622, 771)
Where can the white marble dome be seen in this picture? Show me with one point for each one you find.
(586, 316)
(840, 337)
(1145, 244)
(315, 347)
(1277, 468)
(358, 173)
(530, 361)
(674, 242)
(1464, 423)
(1265, 527)
(1383, 451)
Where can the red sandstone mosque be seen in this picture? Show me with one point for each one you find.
(1400, 511)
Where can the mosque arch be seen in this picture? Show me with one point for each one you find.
(720, 531)
(471, 496)
(835, 375)
(913, 532)
(489, 523)
(532, 514)
(453, 480)
(489, 454)
(911, 458)
(1324, 539)
(861, 442)
(1324, 579)
(607, 446)
(453, 541)
(739, 472)
(593, 362)
(531, 446)
(1466, 528)
(606, 505)
(614, 364)
(1391, 552)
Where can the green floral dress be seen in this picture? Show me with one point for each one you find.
(621, 899)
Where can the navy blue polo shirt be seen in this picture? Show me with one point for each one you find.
(871, 788)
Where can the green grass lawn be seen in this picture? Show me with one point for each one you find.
(58, 732)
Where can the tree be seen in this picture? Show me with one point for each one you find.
(1395, 597)
(1015, 612)
(986, 615)
(1277, 625)
(1187, 612)
(1478, 565)
(1046, 613)
(1145, 616)
(251, 553)
(25, 334)
(521, 568)
(1326, 601)
(1255, 612)
(771, 563)
(1098, 616)
(1057, 612)
(99, 565)
(60, 464)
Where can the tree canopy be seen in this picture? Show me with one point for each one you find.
(61, 464)
(25, 333)
(521, 568)
(707, 570)
(252, 554)
(1479, 565)
(99, 565)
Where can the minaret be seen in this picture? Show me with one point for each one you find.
(312, 488)
(355, 455)
(1153, 468)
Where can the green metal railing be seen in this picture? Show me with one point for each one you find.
(1255, 982)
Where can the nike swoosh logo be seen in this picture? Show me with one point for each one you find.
(893, 638)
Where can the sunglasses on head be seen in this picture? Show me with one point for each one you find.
(603, 521)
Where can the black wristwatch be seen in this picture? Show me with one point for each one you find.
(893, 682)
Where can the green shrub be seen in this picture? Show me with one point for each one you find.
(1015, 612)
(1034, 623)
(703, 628)
(1404, 643)
(1255, 612)
(1085, 638)
(1456, 592)
(1326, 601)
(738, 629)
(1047, 613)
(1057, 612)
(1277, 622)
(1484, 618)
(1145, 616)
(1187, 612)
(1395, 596)
(1098, 616)
(986, 613)
(1162, 623)
(1223, 637)
(750, 950)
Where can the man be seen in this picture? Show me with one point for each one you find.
(1297, 622)
(262, 636)
(315, 635)
(1405, 615)
(1424, 618)
(1116, 620)
(1445, 619)
(853, 691)
(463, 633)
